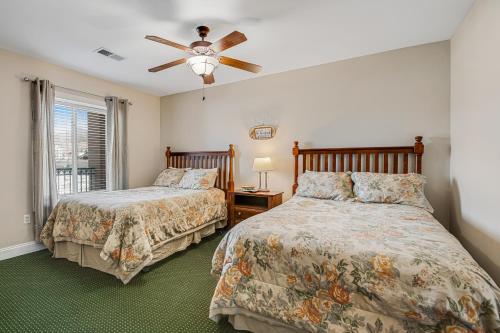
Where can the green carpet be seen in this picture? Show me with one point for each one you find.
(42, 294)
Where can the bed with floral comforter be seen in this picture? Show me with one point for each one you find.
(129, 225)
(339, 266)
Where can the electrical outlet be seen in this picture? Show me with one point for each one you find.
(27, 219)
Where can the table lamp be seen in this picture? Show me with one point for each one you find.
(262, 164)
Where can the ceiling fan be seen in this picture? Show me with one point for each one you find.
(203, 56)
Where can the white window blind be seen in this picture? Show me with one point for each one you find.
(80, 146)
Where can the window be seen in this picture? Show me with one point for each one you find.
(80, 146)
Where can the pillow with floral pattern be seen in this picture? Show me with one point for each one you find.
(406, 189)
(169, 177)
(199, 179)
(325, 185)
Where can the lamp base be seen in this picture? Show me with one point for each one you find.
(260, 189)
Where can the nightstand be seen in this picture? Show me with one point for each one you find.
(243, 205)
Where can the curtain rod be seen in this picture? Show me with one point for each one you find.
(78, 91)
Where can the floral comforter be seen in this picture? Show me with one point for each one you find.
(337, 266)
(128, 225)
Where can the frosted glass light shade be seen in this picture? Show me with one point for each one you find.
(262, 164)
(202, 65)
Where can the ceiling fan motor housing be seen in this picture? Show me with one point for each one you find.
(202, 47)
(202, 31)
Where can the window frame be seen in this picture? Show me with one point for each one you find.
(75, 105)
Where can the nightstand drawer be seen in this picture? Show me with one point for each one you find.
(241, 214)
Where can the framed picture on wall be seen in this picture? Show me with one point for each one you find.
(263, 132)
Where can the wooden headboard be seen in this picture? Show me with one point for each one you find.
(402, 159)
(223, 160)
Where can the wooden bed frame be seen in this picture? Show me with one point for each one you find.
(402, 159)
(223, 160)
(89, 256)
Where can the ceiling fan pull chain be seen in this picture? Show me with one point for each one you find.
(204, 82)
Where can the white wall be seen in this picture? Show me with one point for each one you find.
(376, 100)
(475, 122)
(145, 154)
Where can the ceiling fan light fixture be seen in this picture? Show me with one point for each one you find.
(203, 65)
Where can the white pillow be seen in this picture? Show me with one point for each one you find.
(325, 185)
(199, 179)
(169, 177)
(406, 189)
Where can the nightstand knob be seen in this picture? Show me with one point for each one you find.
(239, 213)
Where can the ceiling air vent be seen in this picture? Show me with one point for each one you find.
(109, 54)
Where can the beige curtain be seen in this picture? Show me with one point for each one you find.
(44, 170)
(116, 122)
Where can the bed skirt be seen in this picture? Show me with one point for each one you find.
(89, 256)
(245, 320)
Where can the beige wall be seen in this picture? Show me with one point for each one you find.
(145, 154)
(475, 121)
(382, 99)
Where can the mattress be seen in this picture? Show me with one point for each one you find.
(129, 226)
(333, 266)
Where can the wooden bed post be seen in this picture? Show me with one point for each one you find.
(230, 183)
(418, 150)
(295, 152)
(168, 153)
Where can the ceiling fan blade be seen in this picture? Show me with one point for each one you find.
(167, 65)
(246, 66)
(234, 38)
(208, 79)
(167, 42)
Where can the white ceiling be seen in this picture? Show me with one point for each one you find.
(282, 34)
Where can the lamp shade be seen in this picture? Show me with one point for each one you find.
(202, 65)
(262, 164)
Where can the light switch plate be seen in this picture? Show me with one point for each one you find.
(27, 219)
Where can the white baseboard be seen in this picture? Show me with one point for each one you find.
(20, 249)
